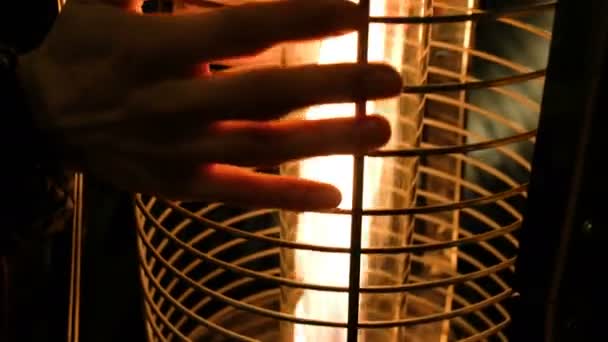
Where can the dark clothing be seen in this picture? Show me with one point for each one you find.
(35, 273)
(37, 202)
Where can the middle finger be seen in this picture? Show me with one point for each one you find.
(271, 143)
(261, 94)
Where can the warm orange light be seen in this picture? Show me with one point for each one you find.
(333, 230)
(332, 269)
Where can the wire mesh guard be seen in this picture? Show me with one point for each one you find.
(436, 238)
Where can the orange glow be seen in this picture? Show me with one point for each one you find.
(334, 230)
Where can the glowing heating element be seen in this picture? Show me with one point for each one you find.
(332, 269)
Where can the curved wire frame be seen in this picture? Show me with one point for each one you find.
(210, 272)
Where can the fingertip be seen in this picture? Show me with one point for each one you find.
(384, 79)
(378, 130)
(239, 186)
(319, 196)
(381, 125)
(331, 197)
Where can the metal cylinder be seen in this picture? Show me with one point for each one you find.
(434, 244)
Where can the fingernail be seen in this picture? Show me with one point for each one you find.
(383, 81)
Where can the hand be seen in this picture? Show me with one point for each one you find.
(123, 93)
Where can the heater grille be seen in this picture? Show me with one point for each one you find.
(210, 272)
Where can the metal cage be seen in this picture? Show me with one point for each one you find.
(210, 272)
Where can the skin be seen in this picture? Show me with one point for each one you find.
(102, 89)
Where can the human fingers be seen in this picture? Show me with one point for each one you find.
(262, 94)
(187, 181)
(238, 186)
(247, 143)
(235, 30)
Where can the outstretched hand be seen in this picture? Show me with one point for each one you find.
(123, 94)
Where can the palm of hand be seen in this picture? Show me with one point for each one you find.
(120, 91)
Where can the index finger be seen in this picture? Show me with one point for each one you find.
(238, 30)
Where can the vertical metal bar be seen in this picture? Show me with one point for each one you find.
(415, 108)
(357, 203)
(77, 230)
(460, 166)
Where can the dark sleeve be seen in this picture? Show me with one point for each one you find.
(35, 188)
(24, 24)
(36, 203)
(36, 196)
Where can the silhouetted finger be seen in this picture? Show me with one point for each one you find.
(236, 31)
(263, 94)
(271, 143)
(213, 182)
(238, 186)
